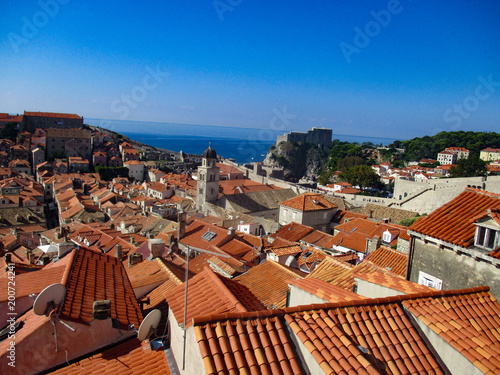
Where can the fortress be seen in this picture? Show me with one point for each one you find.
(315, 136)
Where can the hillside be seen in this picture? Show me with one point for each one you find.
(429, 146)
(298, 159)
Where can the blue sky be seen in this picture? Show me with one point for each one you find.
(393, 68)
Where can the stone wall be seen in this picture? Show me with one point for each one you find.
(457, 270)
(425, 197)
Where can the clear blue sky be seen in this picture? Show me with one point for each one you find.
(236, 65)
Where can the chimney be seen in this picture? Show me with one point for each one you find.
(386, 220)
(118, 251)
(182, 225)
(370, 214)
(31, 256)
(134, 258)
(8, 257)
(156, 247)
(64, 248)
(45, 260)
(231, 232)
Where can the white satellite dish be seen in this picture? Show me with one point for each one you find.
(149, 323)
(49, 298)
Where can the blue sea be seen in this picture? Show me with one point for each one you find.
(241, 144)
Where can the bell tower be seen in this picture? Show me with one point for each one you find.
(208, 179)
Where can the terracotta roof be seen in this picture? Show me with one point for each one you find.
(50, 114)
(269, 282)
(293, 232)
(96, 277)
(376, 275)
(35, 282)
(451, 222)
(228, 187)
(147, 272)
(387, 258)
(207, 294)
(334, 272)
(367, 336)
(469, 320)
(128, 358)
(309, 202)
(247, 346)
(324, 290)
(287, 250)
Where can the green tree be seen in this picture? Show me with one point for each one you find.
(361, 175)
(471, 167)
(349, 162)
(9, 131)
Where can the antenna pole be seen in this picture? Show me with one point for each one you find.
(185, 308)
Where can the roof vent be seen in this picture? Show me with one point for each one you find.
(102, 309)
(315, 201)
(362, 349)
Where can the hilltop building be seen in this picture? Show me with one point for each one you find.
(33, 120)
(450, 155)
(321, 137)
(490, 154)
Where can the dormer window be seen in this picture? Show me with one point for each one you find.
(487, 238)
(487, 230)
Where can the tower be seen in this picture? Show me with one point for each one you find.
(208, 179)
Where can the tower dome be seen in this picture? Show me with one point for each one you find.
(209, 153)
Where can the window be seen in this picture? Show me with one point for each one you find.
(487, 238)
(430, 281)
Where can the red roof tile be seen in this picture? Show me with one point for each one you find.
(392, 260)
(207, 294)
(269, 282)
(468, 320)
(309, 202)
(324, 290)
(451, 222)
(96, 277)
(128, 358)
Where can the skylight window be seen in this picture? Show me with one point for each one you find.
(307, 254)
(208, 235)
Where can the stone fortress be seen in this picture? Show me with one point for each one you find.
(321, 137)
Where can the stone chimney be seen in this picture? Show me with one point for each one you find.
(182, 225)
(31, 256)
(134, 258)
(118, 251)
(231, 232)
(64, 248)
(156, 247)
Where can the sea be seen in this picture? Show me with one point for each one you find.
(244, 145)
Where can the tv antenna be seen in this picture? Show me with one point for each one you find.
(149, 324)
(49, 299)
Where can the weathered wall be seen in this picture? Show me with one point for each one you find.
(457, 271)
(371, 290)
(425, 197)
(299, 297)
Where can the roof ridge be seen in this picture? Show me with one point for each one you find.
(168, 270)
(331, 305)
(284, 267)
(237, 303)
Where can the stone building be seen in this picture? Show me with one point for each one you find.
(70, 142)
(321, 137)
(457, 245)
(45, 120)
(309, 209)
(208, 179)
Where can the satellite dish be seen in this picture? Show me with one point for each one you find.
(50, 297)
(149, 323)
